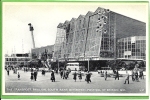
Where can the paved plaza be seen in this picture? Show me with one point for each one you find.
(45, 85)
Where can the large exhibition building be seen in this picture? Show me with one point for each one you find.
(100, 36)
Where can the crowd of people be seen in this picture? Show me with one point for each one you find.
(136, 75)
(64, 74)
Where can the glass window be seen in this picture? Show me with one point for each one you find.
(133, 54)
(137, 45)
(142, 54)
(137, 41)
(133, 45)
(137, 54)
(137, 50)
(9, 59)
(133, 50)
(129, 46)
(129, 56)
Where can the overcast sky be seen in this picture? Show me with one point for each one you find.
(46, 16)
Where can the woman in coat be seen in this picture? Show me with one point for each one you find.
(67, 74)
(88, 76)
(61, 73)
(35, 75)
(105, 75)
(32, 76)
(80, 76)
(75, 76)
(52, 76)
(64, 74)
(8, 71)
(136, 76)
(117, 75)
(133, 75)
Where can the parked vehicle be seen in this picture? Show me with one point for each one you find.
(73, 66)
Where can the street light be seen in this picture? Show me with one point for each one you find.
(89, 64)
(58, 65)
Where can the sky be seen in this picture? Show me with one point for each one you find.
(45, 18)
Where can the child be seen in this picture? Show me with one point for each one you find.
(18, 76)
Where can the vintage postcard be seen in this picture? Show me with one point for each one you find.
(65, 48)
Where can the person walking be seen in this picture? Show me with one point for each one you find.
(117, 75)
(80, 76)
(88, 76)
(14, 70)
(56, 70)
(105, 74)
(136, 76)
(18, 76)
(32, 75)
(126, 77)
(75, 76)
(31, 69)
(64, 73)
(142, 75)
(61, 73)
(52, 76)
(8, 71)
(24, 68)
(35, 75)
(133, 75)
(67, 74)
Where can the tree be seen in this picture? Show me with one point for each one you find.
(131, 66)
(141, 64)
(34, 56)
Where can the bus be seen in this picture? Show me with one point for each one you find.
(72, 66)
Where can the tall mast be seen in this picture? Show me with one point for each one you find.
(31, 29)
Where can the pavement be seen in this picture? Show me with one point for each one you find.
(45, 85)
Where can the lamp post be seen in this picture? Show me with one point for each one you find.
(57, 60)
(57, 66)
(89, 63)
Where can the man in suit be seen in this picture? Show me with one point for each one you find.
(35, 75)
(117, 75)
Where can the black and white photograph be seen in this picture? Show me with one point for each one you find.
(66, 48)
